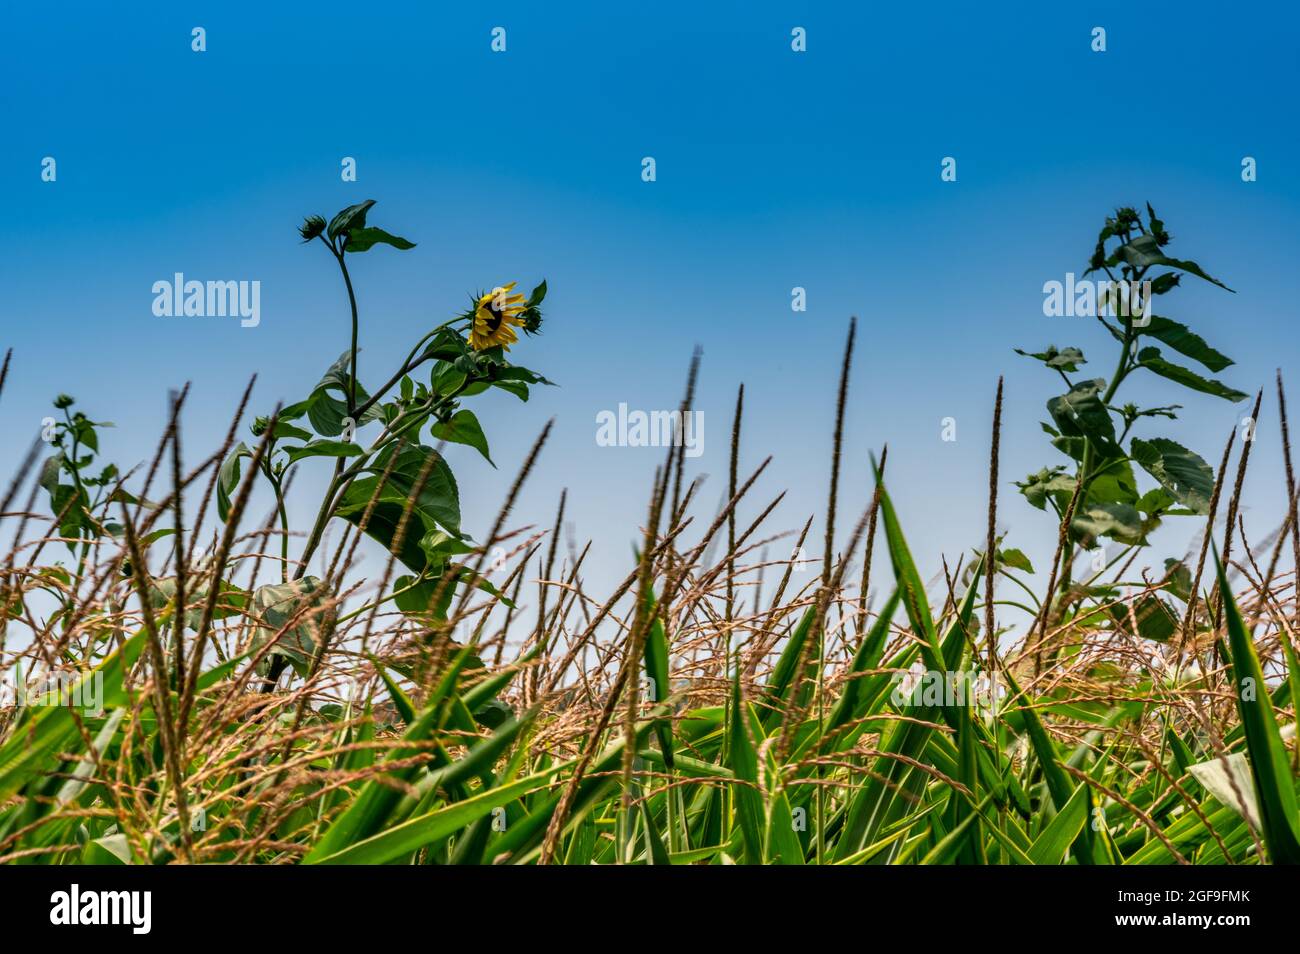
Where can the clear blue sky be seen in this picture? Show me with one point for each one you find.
(775, 169)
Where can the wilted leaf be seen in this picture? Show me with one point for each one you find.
(275, 605)
(1066, 359)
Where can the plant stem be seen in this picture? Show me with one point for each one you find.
(1085, 472)
(334, 493)
(352, 300)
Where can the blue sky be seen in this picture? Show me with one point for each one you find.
(775, 169)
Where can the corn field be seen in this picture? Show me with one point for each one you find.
(198, 699)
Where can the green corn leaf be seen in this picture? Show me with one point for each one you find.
(1054, 841)
(744, 763)
(1274, 781)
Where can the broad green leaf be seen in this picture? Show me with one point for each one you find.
(1183, 340)
(1180, 471)
(1047, 482)
(436, 505)
(353, 217)
(464, 428)
(1119, 521)
(1150, 359)
(329, 414)
(1015, 559)
(1080, 413)
(324, 449)
(1144, 252)
(363, 239)
(1155, 618)
(228, 479)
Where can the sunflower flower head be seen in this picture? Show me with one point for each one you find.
(496, 315)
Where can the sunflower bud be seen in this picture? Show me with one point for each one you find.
(311, 227)
(531, 320)
(260, 425)
(64, 401)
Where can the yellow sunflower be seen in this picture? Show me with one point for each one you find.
(496, 315)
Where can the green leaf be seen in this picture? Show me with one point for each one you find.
(464, 428)
(1066, 359)
(228, 479)
(373, 806)
(327, 413)
(1144, 252)
(231, 599)
(399, 840)
(1058, 782)
(363, 239)
(910, 585)
(1184, 341)
(744, 763)
(1055, 840)
(106, 851)
(35, 747)
(50, 470)
(324, 449)
(437, 504)
(1157, 226)
(284, 429)
(1117, 520)
(656, 853)
(1080, 413)
(1112, 483)
(1155, 619)
(417, 597)
(1180, 471)
(353, 217)
(1015, 559)
(1274, 783)
(72, 505)
(777, 691)
(1048, 481)
(656, 670)
(1150, 359)
(850, 704)
(782, 846)
(86, 436)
